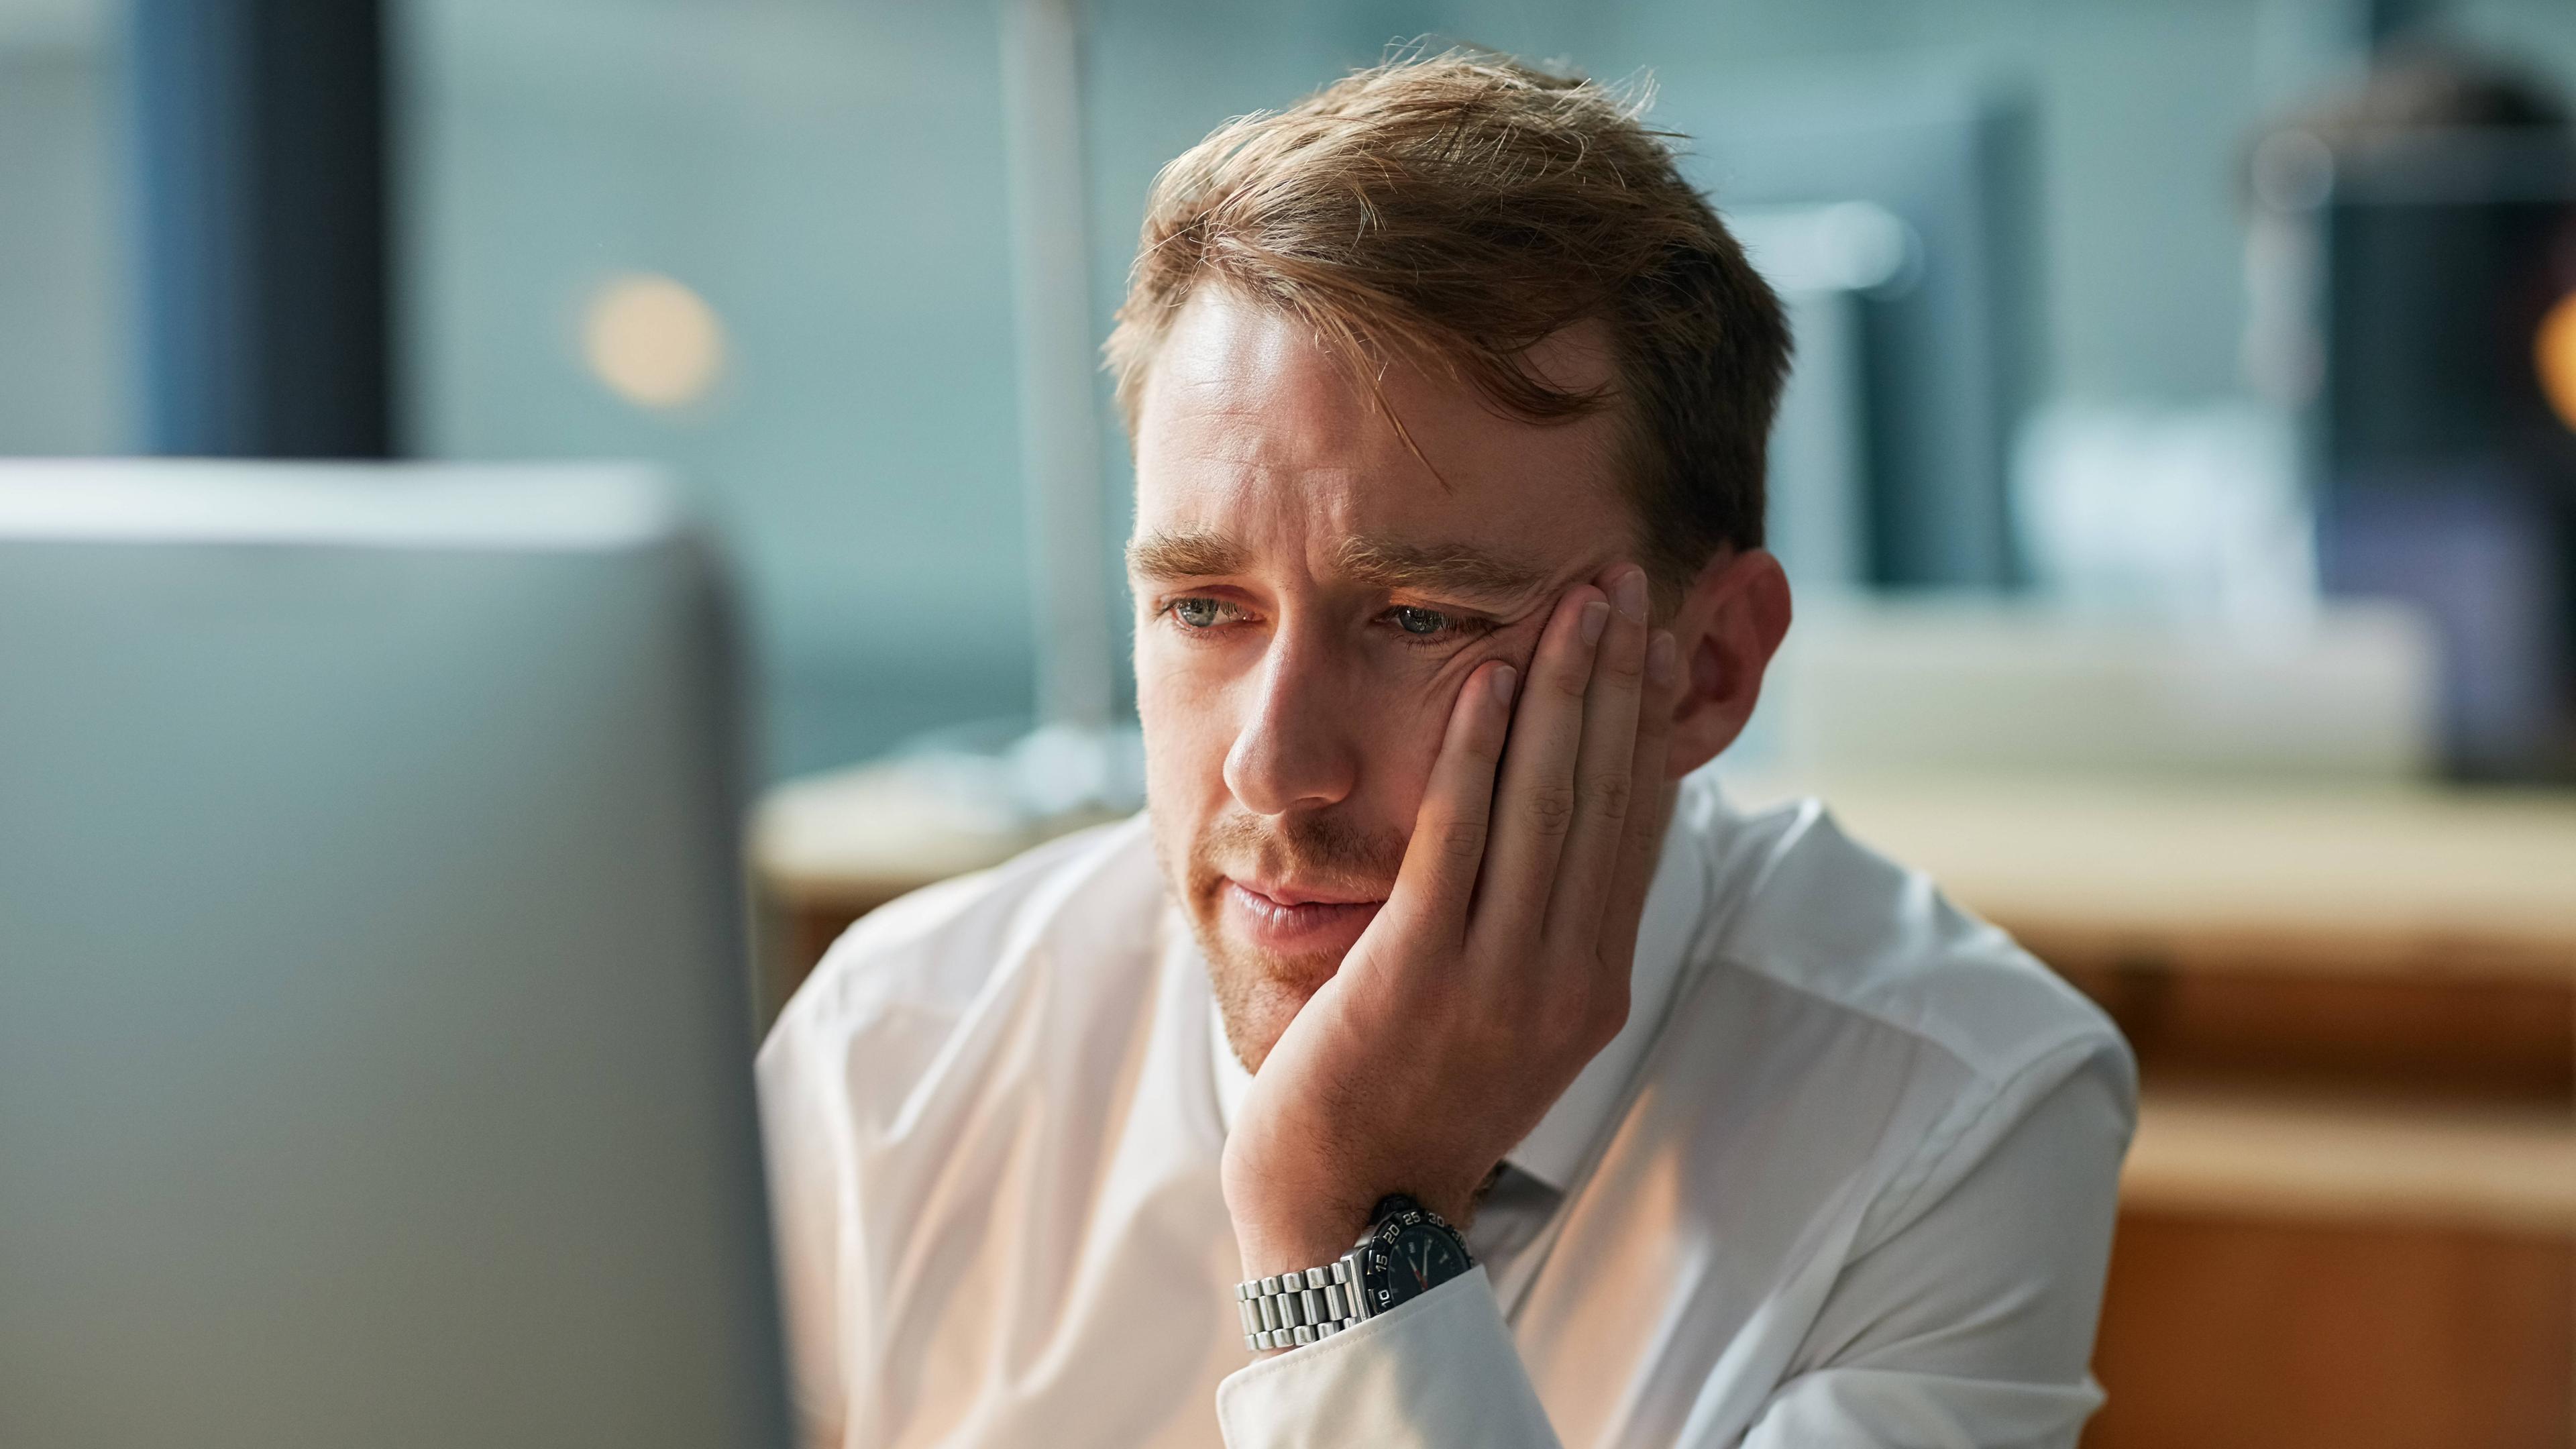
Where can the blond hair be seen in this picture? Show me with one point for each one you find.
(1454, 210)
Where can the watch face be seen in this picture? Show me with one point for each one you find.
(1407, 1259)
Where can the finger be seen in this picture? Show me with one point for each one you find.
(1438, 876)
(1603, 793)
(1645, 833)
(1534, 802)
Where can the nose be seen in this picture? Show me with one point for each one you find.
(1297, 745)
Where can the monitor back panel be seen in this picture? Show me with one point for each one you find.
(374, 1031)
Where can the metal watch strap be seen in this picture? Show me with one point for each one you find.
(1300, 1308)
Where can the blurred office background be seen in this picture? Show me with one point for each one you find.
(772, 243)
(2185, 429)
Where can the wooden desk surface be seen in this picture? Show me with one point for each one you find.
(854, 839)
(2211, 874)
(2507, 1168)
(2252, 876)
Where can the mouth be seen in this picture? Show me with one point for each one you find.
(1285, 919)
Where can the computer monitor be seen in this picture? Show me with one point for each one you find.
(1939, 357)
(375, 1033)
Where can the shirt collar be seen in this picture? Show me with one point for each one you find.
(1554, 1152)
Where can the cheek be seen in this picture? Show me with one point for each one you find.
(1513, 644)
(1185, 707)
(1168, 696)
(1437, 694)
(1409, 718)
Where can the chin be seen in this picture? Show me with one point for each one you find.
(1258, 992)
(1262, 969)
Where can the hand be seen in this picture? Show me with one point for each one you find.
(1499, 964)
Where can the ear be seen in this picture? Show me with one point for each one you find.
(1731, 621)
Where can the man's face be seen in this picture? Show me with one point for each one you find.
(1311, 595)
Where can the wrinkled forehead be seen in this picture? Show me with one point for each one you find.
(1251, 434)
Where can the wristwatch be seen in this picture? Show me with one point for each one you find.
(1406, 1252)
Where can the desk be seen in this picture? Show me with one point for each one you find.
(2384, 881)
(2349, 1218)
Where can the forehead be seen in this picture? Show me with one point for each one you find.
(1248, 429)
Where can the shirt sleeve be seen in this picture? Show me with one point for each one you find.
(1970, 1324)
(1973, 1322)
(1438, 1371)
(806, 1226)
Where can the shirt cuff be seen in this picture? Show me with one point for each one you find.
(1438, 1371)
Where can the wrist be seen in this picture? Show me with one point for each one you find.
(1408, 1251)
(1286, 1231)
(1284, 1235)
(1281, 1227)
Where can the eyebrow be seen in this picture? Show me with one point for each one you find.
(1163, 557)
(1448, 570)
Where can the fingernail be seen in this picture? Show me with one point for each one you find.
(1631, 593)
(1659, 660)
(1503, 680)
(1596, 617)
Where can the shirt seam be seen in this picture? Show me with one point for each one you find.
(1974, 1109)
(1811, 811)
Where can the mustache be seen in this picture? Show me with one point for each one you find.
(1320, 851)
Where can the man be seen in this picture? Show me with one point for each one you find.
(1669, 1125)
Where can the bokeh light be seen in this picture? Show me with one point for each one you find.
(653, 341)
(2554, 354)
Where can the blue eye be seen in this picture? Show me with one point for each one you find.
(1418, 627)
(1415, 625)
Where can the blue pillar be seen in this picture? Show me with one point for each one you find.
(264, 298)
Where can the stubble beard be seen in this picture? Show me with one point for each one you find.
(1259, 992)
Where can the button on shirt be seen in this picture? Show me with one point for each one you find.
(1846, 1177)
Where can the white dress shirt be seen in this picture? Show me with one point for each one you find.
(1846, 1178)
